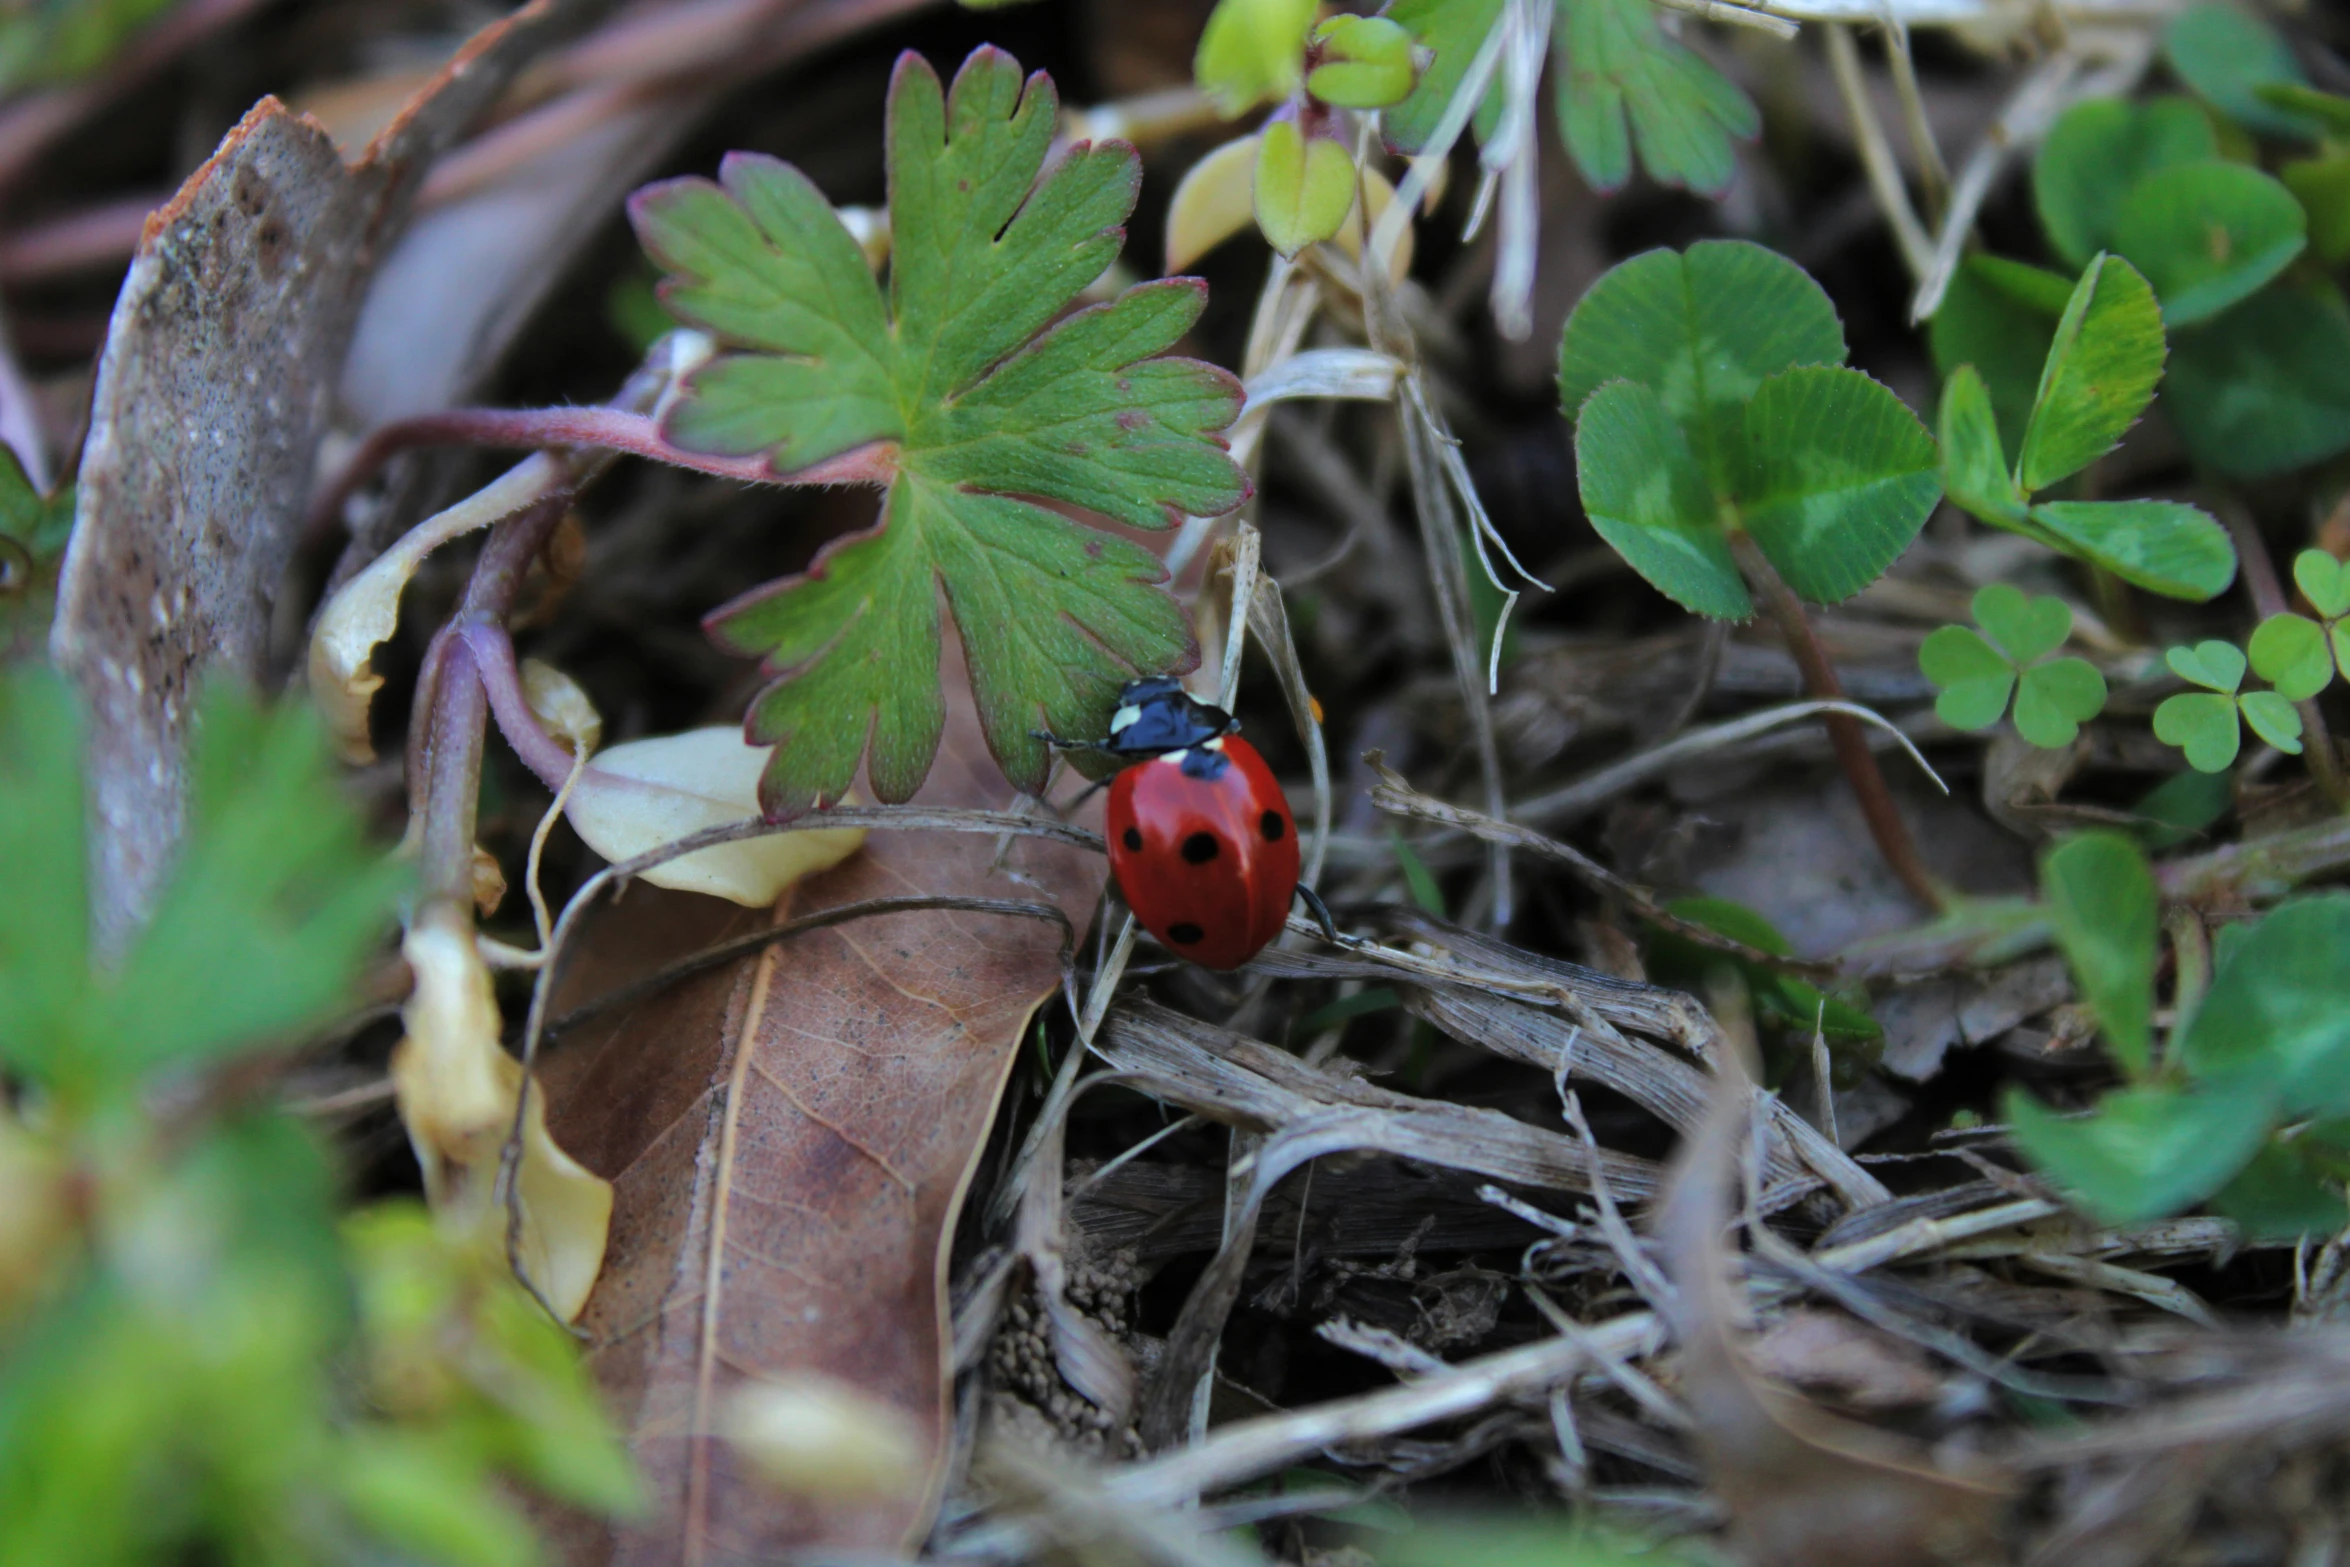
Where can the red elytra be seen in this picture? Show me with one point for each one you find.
(1206, 854)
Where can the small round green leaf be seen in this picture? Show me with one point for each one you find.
(2323, 581)
(2227, 55)
(1252, 52)
(2216, 666)
(2149, 1150)
(2027, 626)
(2202, 724)
(2208, 234)
(2165, 547)
(2274, 719)
(1366, 62)
(2274, 1010)
(2100, 375)
(1974, 678)
(1646, 496)
(1703, 328)
(2290, 653)
(2096, 153)
(2054, 699)
(1840, 478)
(1305, 186)
(2103, 903)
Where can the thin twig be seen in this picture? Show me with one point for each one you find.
(1876, 153)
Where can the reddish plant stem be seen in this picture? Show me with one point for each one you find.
(1844, 732)
(611, 429)
(2259, 575)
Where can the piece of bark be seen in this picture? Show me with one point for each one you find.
(214, 387)
(798, 1130)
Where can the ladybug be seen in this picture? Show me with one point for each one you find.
(1201, 838)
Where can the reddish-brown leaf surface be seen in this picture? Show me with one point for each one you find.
(213, 391)
(789, 1139)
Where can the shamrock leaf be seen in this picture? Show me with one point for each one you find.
(1975, 673)
(1726, 410)
(2100, 374)
(2204, 723)
(2290, 653)
(2096, 155)
(960, 387)
(2324, 582)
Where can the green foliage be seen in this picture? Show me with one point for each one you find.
(2101, 901)
(1622, 87)
(2148, 1150)
(1252, 52)
(979, 398)
(2277, 1009)
(2182, 806)
(2265, 388)
(1362, 62)
(1304, 187)
(1984, 323)
(194, 1364)
(274, 903)
(2097, 153)
(1975, 673)
(44, 42)
(2104, 361)
(1711, 399)
(1504, 1540)
(1781, 1001)
(2227, 56)
(2208, 234)
(33, 531)
(2204, 723)
(2290, 653)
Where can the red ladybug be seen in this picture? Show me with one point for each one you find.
(1201, 839)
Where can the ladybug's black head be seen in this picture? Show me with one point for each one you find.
(1157, 715)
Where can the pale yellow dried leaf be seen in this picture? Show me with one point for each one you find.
(1214, 201)
(817, 1436)
(637, 797)
(562, 706)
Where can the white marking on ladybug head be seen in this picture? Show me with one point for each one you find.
(1175, 757)
(1216, 744)
(1123, 719)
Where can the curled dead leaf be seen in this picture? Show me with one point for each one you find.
(818, 1436)
(457, 1088)
(637, 797)
(562, 706)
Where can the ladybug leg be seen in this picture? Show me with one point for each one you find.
(1320, 911)
(1059, 744)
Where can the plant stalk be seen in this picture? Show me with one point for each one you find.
(1861, 772)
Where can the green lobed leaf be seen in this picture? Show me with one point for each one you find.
(987, 400)
(2203, 724)
(2265, 388)
(2324, 581)
(2322, 186)
(2165, 547)
(2103, 904)
(2100, 375)
(2290, 653)
(2004, 339)
(2096, 154)
(1780, 999)
(2216, 666)
(2227, 55)
(1617, 66)
(1973, 677)
(1252, 52)
(2054, 699)
(2028, 627)
(1704, 328)
(2274, 719)
(2208, 234)
(1303, 189)
(2284, 1193)
(1366, 62)
(2277, 1008)
(1452, 32)
(1974, 465)
(2146, 1151)
(1841, 476)
(1647, 497)
(2181, 807)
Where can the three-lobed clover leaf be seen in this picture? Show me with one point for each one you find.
(2298, 655)
(2100, 374)
(977, 403)
(1622, 86)
(2204, 723)
(1976, 673)
(1711, 399)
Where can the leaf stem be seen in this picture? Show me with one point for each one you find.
(1844, 732)
(2259, 575)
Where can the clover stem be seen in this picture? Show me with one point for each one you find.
(2259, 574)
(1861, 772)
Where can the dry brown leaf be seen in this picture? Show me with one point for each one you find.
(789, 1139)
(213, 391)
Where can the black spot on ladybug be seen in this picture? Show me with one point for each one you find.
(1184, 935)
(1132, 840)
(1199, 848)
(1270, 825)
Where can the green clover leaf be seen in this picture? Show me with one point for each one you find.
(2208, 234)
(1976, 673)
(2205, 724)
(2103, 903)
(2324, 581)
(2228, 56)
(974, 398)
(2096, 154)
(2290, 653)
(2151, 1149)
(2216, 666)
